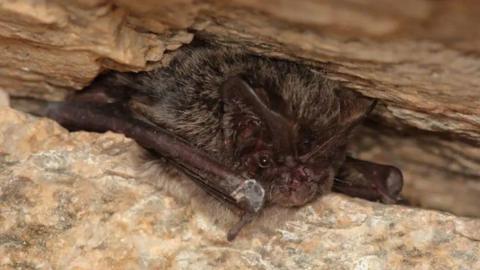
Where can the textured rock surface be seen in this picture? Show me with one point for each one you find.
(90, 201)
(87, 201)
(49, 47)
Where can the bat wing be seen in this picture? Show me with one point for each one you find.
(215, 178)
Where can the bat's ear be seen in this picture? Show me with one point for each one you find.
(283, 130)
(354, 107)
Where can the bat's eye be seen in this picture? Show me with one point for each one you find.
(264, 161)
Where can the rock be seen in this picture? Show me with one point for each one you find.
(4, 99)
(77, 200)
(49, 48)
(96, 201)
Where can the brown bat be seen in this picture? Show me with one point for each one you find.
(250, 130)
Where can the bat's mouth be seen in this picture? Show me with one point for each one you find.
(294, 187)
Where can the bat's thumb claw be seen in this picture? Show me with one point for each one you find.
(250, 195)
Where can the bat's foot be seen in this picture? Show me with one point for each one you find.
(389, 188)
(371, 181)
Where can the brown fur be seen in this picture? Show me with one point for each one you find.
(185, 98)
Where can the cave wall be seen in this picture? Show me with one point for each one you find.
(84, 200)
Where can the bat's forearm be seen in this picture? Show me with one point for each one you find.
(246, 194)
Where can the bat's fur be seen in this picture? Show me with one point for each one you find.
(281, 123)
(161, 175)
(185, 99)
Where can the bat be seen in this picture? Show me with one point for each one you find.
(250, 130)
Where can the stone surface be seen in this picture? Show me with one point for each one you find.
(49, 47)
(4, 99)
(84, 200)
(95, 201)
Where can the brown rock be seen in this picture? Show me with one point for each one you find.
(83, 200)
(90, 201)
(4, 99)
(48, 48)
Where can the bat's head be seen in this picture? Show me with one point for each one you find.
(293, 166)
(293, 151)
(293, 182)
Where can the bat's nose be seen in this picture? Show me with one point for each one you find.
(294, 188)
(290, 162)
(297, 177)
(294, 183)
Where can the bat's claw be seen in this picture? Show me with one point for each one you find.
(250, 195)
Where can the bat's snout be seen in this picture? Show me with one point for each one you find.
(294, 187)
